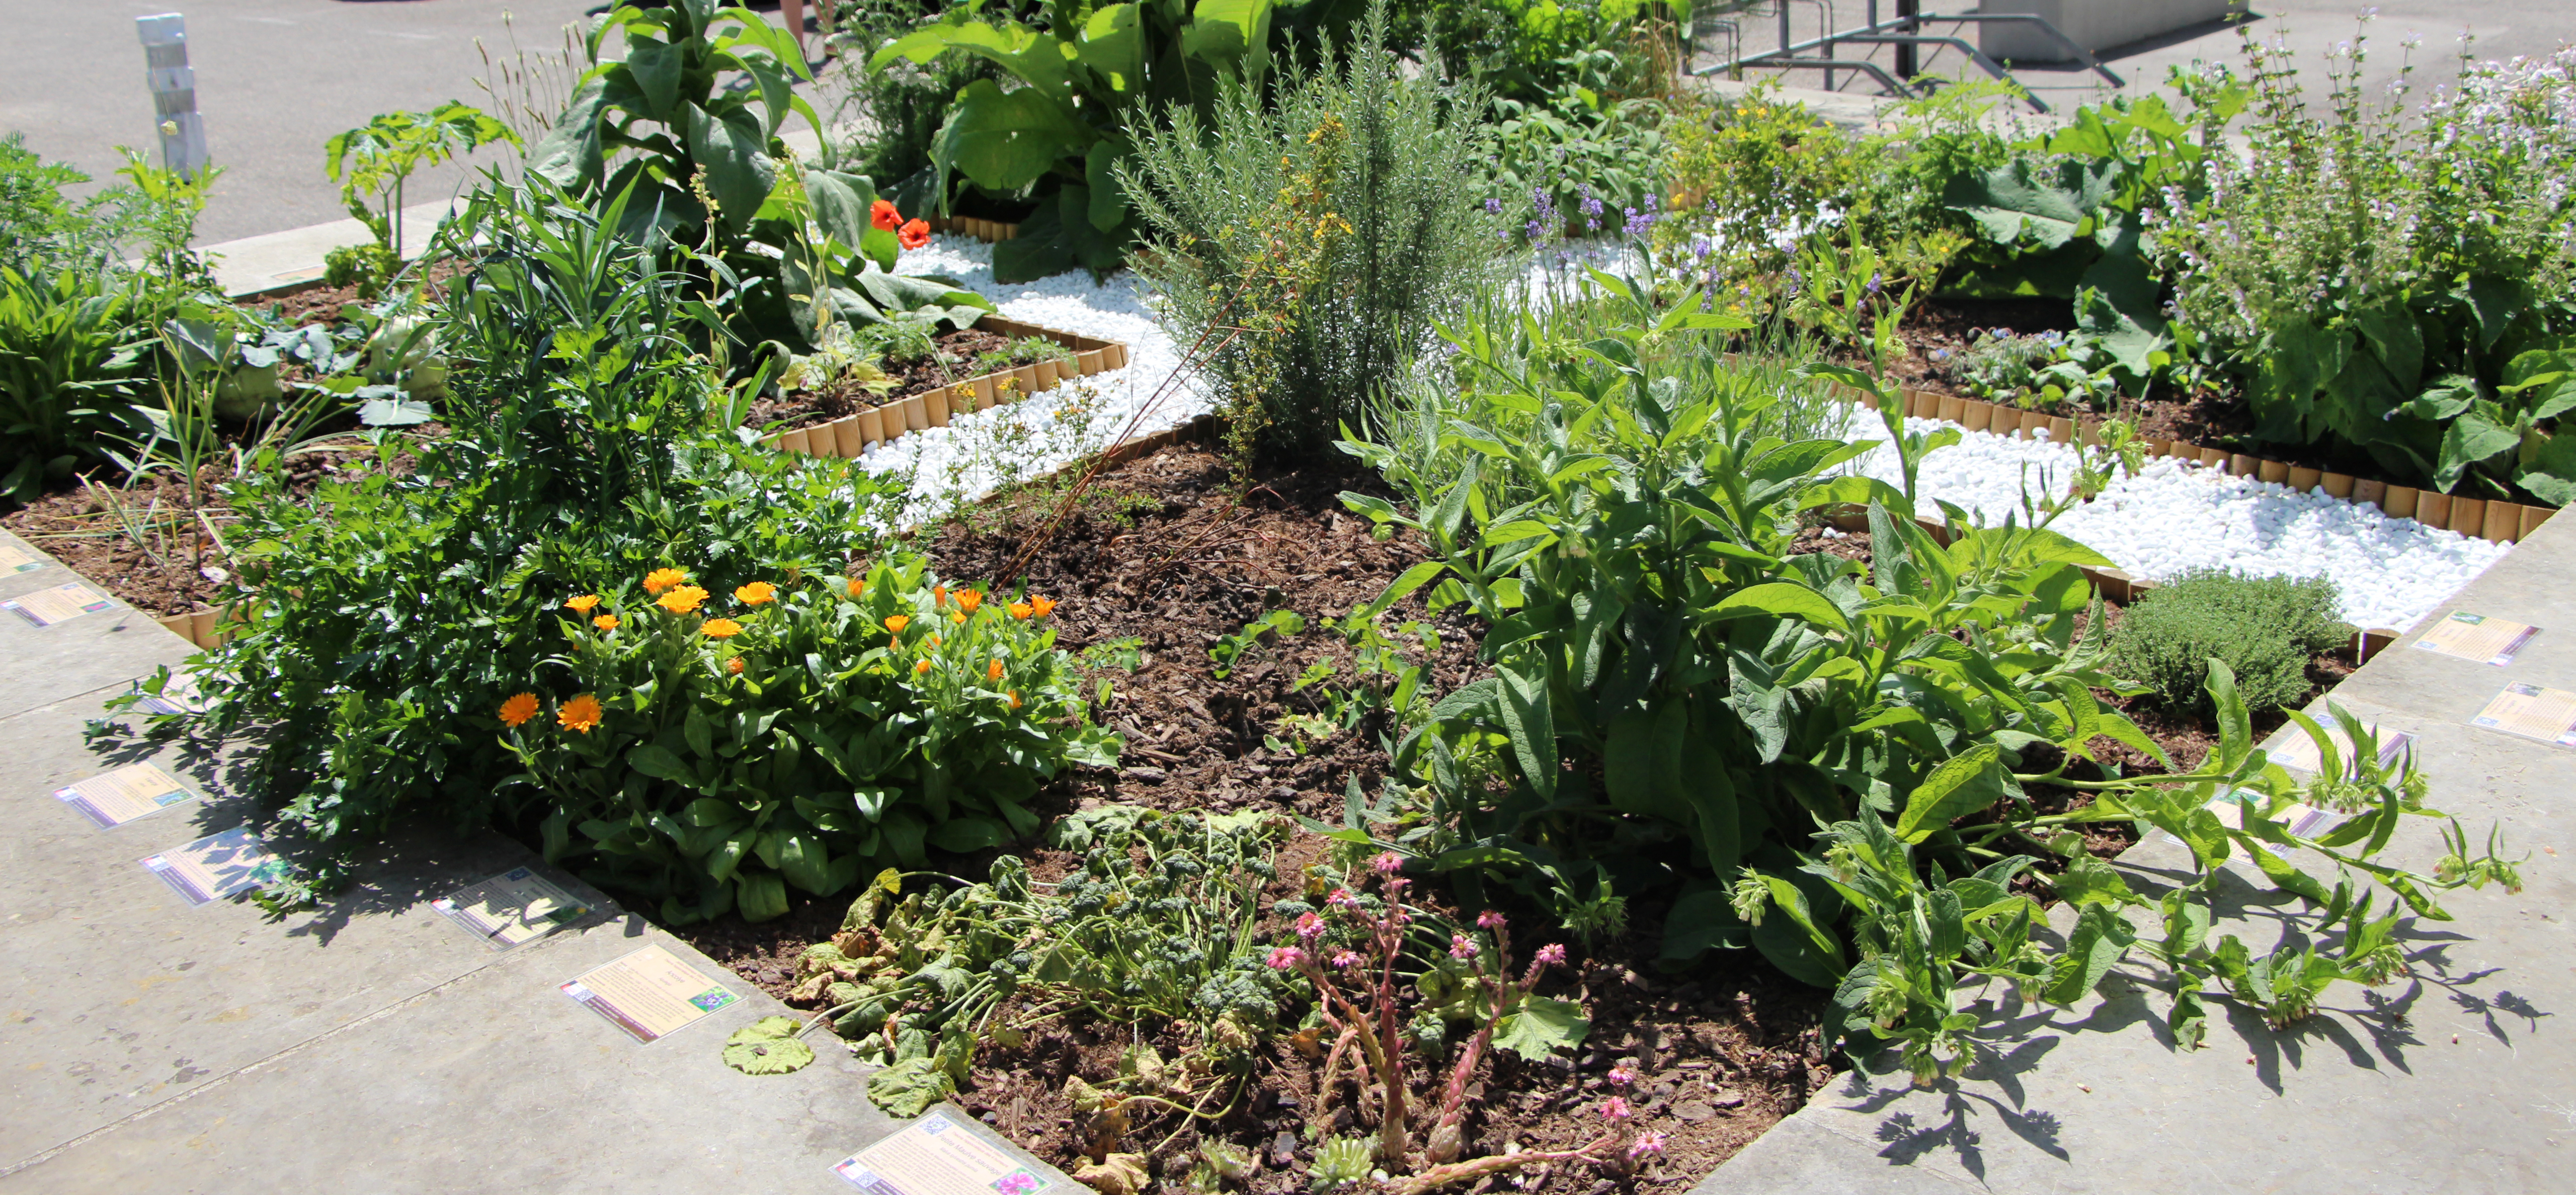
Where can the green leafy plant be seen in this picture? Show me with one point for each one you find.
(373, 161)
(73, 360)
(1676, 698)
(2388, 282)
(785, 250)
(1155, 926)
(1230, 649)
(2031, 372)
(1576, 148)
(1310, 242)
(2266, 629)
(1092, 81)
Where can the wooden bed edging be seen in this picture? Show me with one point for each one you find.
(851, 435)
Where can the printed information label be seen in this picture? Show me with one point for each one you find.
(217, 865)
(45, 607)
(123, 795)
(513, 908)
(650, 993)
(2477, 637)
(2298, 752)
(946, 1153)
(2532, 712)
(13, 560)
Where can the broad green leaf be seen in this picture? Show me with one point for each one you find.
(1784, 599)
(1005, 141)
(1963, 784)
(908, 1088)
(767, 1046)
(1539, 1027)
(2096, 944)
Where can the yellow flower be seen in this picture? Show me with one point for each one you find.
(756, 593)
(994, 672)
(581, 713)
(605, 622)
(582, 604)
(922, 667)
(683, 600)
(721, 628)
(664, 578)
(518, 709)
(895, 623)
(968, 599)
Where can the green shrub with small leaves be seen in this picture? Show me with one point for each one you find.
(2265, 628)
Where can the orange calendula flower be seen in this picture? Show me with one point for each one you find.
(968, 599)
(934, 641)
(959, 619)
(895, 623)
(756, 593)
(1041, 606)
(720, 628)
(734, 665)
(994, 672)
(518, 709)
(1022, 609)
(938, 595)
(921, 667)
(683, 600)
(664, 578)
(581, 713)
(605, 622)
(858, 587)
(582, 604)
(1015, 699)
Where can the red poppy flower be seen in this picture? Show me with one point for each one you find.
(882, 214)
(915, 234)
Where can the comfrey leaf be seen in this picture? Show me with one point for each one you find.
(767, 1046)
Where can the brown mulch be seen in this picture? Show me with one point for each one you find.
(173, 568)
(317, 303)
(953, 362)
(1167, 550)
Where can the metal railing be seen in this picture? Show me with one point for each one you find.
(1904, 30)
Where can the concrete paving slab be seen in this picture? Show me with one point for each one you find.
(2457, 1077)
(47, 664)
(498, 1082)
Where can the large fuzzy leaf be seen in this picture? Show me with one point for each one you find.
(1540, 1027)
(908, 1088)
(767, 1046)
(1005, 141)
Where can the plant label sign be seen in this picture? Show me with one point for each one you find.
(217, 865)
(650, 994)
(512, 909)
(947, 1153)
(2298, 752)
(45, 607)
(2477, 637)
(14, 559)
(2533, 712)
(123, 795)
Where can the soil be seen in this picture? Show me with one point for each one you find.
(953, 362)
(1168, 551)
(320, 304)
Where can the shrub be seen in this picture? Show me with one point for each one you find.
(897, 111)
(2266, 630)
(74, 356)
(1311, 243)
(384, 627)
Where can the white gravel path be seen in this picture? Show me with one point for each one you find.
(2171, 518)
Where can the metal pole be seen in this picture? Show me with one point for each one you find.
(1905, 50)
(174, 92)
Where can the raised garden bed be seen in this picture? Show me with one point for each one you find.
(853, 434)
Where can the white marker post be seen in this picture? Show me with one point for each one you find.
(174, 91)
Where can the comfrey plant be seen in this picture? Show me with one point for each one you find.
(1350, 950)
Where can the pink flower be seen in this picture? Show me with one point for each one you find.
(1387, 863)
(1346, 959)
(1460, 948)
(1622, 1075)
(1489, 919)
(1616, 1109)
(1552, 955)
(1647, 1145)
(1342, 899)
(1286, 958)
(1310, 926)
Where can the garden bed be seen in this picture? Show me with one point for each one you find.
(847, 420)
